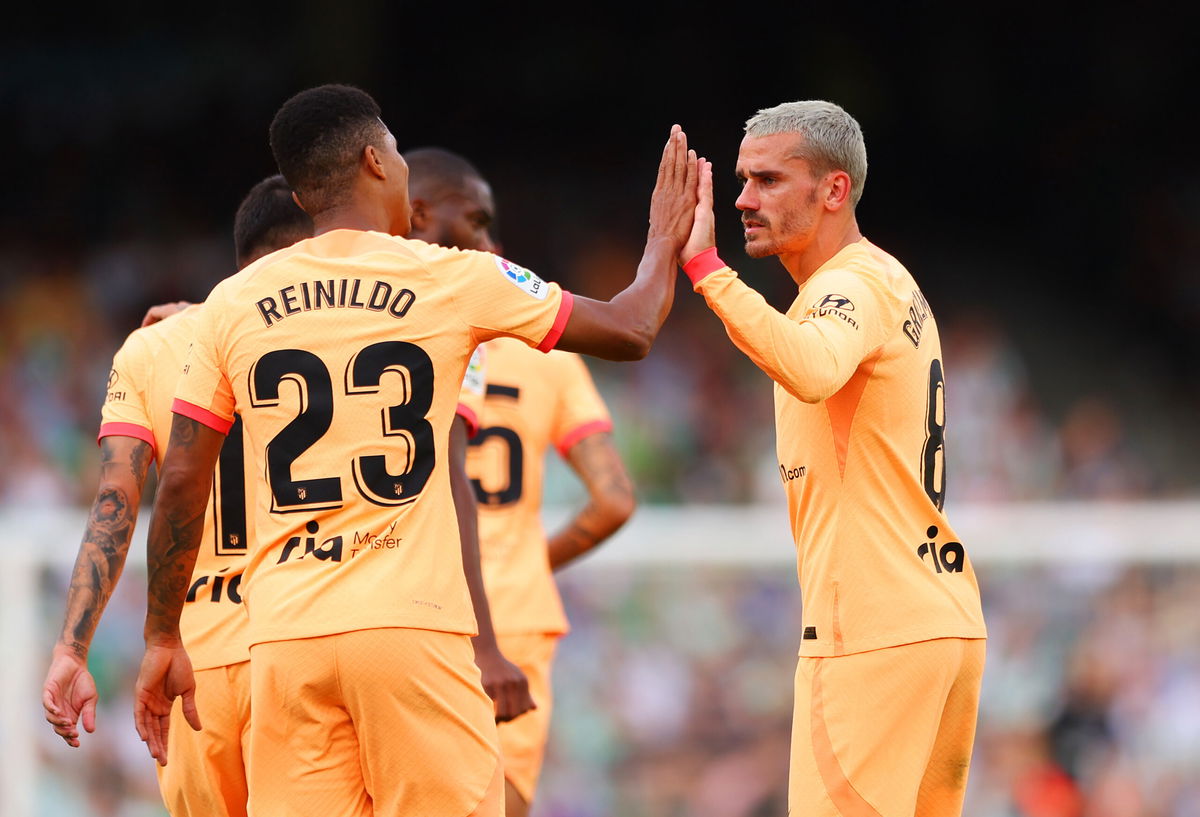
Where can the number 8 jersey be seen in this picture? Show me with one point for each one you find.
(860, 425)
(344, 356)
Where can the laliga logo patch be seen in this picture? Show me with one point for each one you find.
(523, 278)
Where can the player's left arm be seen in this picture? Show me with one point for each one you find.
(610, 499)
(503, 680)
(173, 540)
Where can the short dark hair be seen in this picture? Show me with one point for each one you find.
(317, 137)
(434, 171)
(268, 219)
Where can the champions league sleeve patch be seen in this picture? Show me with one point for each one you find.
(522, 278)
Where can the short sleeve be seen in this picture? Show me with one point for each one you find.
(581, 411)
(204, 393)
(498, 298)
(474, 386)
(126, 411)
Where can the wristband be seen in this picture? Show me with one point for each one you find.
(702, 264)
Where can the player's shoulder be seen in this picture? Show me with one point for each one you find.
(863, 264)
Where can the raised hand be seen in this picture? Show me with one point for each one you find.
(703, 232)
(159, 311)
(166, 674)
(68, 694)
(673, 202)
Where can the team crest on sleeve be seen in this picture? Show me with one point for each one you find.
(473, 381)
(522, 278)
(833, 304)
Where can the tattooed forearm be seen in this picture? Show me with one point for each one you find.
(611, 499)
(178, 521)
(106, 538)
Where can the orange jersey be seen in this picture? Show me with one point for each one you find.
(140, 390)
(860, 424)
(533, 401)
(345, 355)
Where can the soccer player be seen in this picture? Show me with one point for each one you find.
(209, 777)
(892, 649)
(533, 401)
(343, 356)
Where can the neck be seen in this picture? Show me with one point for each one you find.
(352, 215)
(825, 245)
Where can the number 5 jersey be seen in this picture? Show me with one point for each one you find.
(344, 356)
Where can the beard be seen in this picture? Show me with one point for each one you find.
(794, 226)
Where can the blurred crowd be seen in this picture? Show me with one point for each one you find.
(694, 420)
(674, 696)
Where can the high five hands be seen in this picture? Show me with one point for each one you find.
(681, 205)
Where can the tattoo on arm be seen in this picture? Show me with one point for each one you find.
(178, 520)
(611, 499)
(124, 462)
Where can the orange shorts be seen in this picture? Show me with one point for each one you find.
(372, 723)
(205, 772)
(886, 732)
(523, 741)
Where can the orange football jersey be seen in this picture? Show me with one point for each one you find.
(345, 354)
(533, 401)
(860, 423)
(140, 390)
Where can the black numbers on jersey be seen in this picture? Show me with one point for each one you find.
(933, 456)
(405, 422)
(511, 492)
(316, 413)
(229, 494)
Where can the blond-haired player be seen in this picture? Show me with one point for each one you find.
(892, 647)
(534, 402)
(344, 355)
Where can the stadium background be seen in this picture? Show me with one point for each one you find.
(1034, 166)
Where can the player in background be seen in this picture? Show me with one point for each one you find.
(366, 698)
(209, 777)
(892, 649)
(534, 401)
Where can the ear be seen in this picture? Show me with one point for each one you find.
(837, 187)
(420, 214)
(373, 162)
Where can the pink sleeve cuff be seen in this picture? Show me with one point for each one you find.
(560, 322)
(579, 432)
(470, 418)
(702, 264)
(133, 430)
(201, 415)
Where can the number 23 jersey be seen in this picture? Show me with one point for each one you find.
(344, 355)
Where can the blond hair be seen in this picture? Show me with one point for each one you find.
(832, 139)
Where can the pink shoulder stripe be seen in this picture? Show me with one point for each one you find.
(472, 419)
(201, 415)
(560, 322)
(579, 432)
(133, 430)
